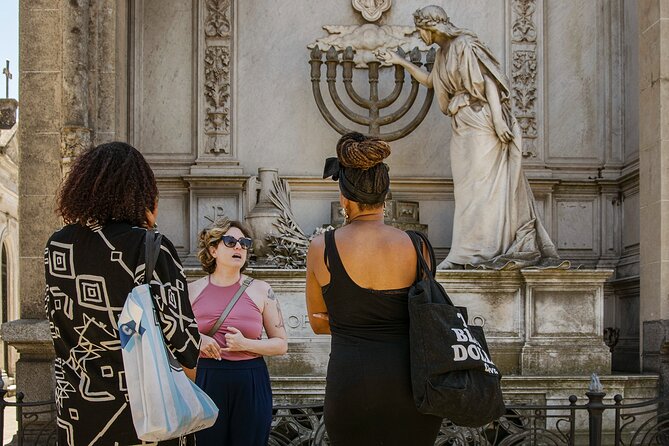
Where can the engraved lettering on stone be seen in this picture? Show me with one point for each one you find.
(217, 213)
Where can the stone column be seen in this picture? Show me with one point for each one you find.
(40, 50)
(75, 132)
(654, 186)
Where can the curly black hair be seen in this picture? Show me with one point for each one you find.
(109, 182)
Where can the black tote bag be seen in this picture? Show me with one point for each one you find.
(452, 375)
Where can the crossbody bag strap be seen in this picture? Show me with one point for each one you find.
(232, 303)
(422, 267)
(430, 250)
(152, 243)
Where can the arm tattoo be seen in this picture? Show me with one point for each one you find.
(278, 309)
(271, 296)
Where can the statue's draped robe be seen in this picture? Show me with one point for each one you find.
(495, 223)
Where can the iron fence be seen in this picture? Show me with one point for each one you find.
(590, 422)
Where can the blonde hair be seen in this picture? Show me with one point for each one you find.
(211, 237)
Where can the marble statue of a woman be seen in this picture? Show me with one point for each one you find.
(495, 223)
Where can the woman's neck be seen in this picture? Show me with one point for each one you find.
(367, 217)
(225, 276)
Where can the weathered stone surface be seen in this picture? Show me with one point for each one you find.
(8, 113)
(40, 210)
(40, 165)
(41, 38)
(34, 370)
(28, 335)
(42, 104)
(32, 285)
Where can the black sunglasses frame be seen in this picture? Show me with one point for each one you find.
(230, 242)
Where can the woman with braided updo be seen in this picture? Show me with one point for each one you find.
(358, 278)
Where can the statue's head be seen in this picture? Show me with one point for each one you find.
(430, 16)
(433, 19)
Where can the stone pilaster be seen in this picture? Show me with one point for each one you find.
(41, 86)
(75, 132)
(217, 154)
(654, 186)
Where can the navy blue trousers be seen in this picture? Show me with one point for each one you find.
(242, 392)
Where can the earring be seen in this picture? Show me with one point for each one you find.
(345, 214)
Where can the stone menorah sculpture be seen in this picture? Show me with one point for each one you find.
(373, 103)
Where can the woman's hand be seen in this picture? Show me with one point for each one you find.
(390, 57)
(235, 341)
(503, 132)
(209, 347)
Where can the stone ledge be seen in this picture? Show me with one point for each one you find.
(29, 336)
(551, 389)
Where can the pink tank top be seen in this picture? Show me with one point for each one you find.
(245, 316)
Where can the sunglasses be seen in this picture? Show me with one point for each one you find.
(231, 242)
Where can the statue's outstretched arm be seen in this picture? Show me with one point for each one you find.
(421, 76)
(492, 96)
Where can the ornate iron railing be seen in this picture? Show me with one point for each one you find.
(592, 422)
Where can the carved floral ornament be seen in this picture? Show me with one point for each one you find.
(217, 22)
(371, 10)
(217, 30)
(524, 71)
(524, 29)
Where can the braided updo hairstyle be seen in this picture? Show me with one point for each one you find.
(363, 158)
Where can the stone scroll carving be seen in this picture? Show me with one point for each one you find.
(218, 38)
(524, 72)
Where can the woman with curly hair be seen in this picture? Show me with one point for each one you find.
(107, 202)
(232, 310)
(358, 279)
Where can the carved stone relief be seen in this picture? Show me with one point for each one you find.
(218, 38)
(371, 10)
(217, 23)
(524, 72)
(73, 141)
(368, 38)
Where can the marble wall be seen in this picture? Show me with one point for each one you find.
(582, 145)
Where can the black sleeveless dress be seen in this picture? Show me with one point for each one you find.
(368, 398)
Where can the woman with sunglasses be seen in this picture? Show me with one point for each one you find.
(232, 310)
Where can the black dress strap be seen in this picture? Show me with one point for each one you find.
(332, 260)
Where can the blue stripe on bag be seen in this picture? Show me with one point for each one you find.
(164, 403)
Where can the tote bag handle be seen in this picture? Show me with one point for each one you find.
(152, 243)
